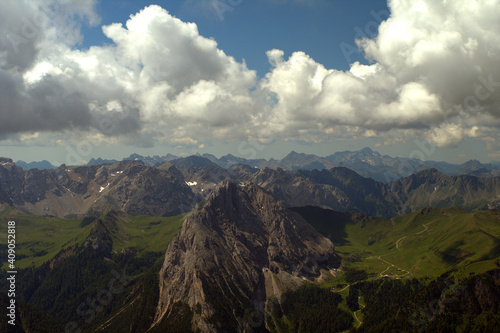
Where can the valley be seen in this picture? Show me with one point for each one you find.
(426, 243)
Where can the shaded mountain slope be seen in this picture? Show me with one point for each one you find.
(431, 188)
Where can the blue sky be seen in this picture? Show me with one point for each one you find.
(90, 78)
(249, 28)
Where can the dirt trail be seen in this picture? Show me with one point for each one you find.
(356, 316)
(418, 233)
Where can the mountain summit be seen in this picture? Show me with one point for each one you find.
(241, 248)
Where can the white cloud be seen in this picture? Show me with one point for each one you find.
(446, 135)
(366, 96)
(435, 73)
(434, 61)
(160, 77)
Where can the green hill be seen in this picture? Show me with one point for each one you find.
(426, 243)
(39, 239)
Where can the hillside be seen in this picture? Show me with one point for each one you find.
(63, 263)
(426, 243)
(43, 238)
(431, 188)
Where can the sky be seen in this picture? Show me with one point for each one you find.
(252, 78)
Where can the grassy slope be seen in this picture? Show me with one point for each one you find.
(146, 233)
(36, 235)
(435, 241)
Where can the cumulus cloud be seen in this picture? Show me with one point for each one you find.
(435, 68)
(20, 38)
(160, 76)
(434, 72)
(52, 104)
(452, 48)
(366, 96)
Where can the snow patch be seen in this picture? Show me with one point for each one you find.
(103, 188)
(191, 183)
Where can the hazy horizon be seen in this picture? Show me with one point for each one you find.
(122, 157)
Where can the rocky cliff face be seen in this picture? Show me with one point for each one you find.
(241, 248)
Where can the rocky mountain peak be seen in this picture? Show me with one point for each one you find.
(369, 151)
(238, 250)
(224, 189)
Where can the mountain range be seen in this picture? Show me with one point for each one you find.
(166, 190)
(365, 162)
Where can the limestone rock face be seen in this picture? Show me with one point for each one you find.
(241, 248)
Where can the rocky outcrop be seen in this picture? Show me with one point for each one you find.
(241, 248)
